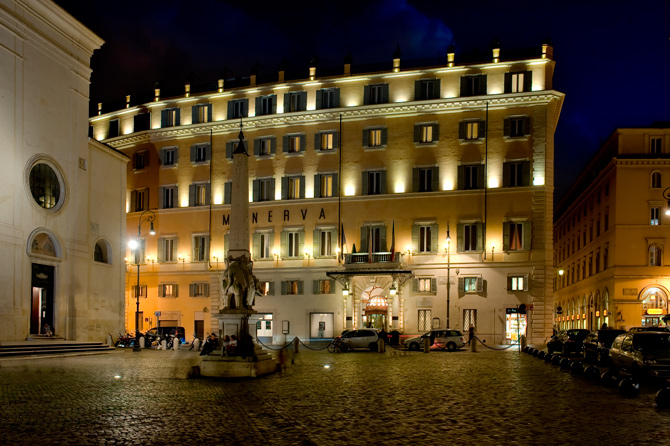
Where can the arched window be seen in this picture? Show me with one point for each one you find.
(102, 252)
(654, 255)
(656, 180)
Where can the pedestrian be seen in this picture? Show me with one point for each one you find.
(232, 347)
(383, 335)
(604, 326)
(226, 343)
(471, 333)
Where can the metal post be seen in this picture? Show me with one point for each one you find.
(150, 218)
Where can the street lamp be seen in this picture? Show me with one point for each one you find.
(135, 244)
(448, 272)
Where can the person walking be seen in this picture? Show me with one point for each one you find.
(471, 333)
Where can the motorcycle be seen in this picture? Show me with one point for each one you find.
(127, 340)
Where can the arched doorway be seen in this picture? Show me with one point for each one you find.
(375, 306)
(43, 250)
(654, 305)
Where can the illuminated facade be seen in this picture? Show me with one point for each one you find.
(610, 233)
(62, 220)
(387, 161)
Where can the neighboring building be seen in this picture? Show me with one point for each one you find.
(413, 153)
(610, 234)
(61, 215)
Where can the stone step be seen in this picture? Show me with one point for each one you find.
(51, 348)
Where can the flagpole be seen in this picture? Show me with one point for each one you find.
(340, 229)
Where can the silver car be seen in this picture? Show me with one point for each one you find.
(439, 339)
(362, 338)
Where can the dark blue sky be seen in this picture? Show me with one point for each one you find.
(612, 57)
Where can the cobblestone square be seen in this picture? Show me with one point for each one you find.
(359, 398)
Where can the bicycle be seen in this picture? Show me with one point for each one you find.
(337, 346)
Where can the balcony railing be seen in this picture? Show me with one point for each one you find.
(361, 258)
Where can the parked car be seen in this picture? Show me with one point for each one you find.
(643, 353)
(363, 338)
(449, 339)
(568, 341)
(597, 344)
(648, 328)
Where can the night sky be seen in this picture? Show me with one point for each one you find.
(612, 57)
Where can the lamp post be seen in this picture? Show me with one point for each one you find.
(448, 272)
(136, 245)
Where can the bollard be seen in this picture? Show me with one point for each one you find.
(296, 342)
(196, 344)
(381, 345)
(163, 344)
(523, 342)
(426, 345)
(110, 342)
(143, 342)
(175, 344)
(473, 345)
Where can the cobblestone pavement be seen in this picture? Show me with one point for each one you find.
(360, 398)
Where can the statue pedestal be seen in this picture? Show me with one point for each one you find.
(256, 362)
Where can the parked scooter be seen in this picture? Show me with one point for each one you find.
(127, 340)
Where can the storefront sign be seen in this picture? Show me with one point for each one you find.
(654, 311)
(630, 291)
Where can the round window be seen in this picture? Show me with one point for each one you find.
(44, 186)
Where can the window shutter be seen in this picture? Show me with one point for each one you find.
(161, 290)
(336, 186)
(384, 136)
(163, 118)
(482, 85)
(527, 241)
(284, 188)
(506, 169)
(303, 100)
(459, 238)
(417, 133)
(434, 236)
(336, 101)
(437, 87)
(191, 289)
(209, 118)
(436, 132)
(284, 244)
(257, 147)
(336, 140)
(317, 141)
(226, 243)
(528, 81)
(383, 247)
(461, 129)
(508, 83)
(433, 285)
(256, 245)
(302, 186)
(316, 245)
(480, 236)
(506, 127)
(256, 194)
(417, 91)
(526, 125)
(287, 102)
(283, 287)
(245, 108)
(435, 185)
(464, 86)
(385, 93)
(366, 96)
(364, 239)
(227, 191)
(461, 285)
(525, 168)
(303, 143)
(229, 150)
(177, 120)
(285, 144)
(274, 104)
(317, 186)
(161, 156)
(319, 99)
(259, 110)
(383, 181)
(365, 190)
(161, 250)
(191, 194)
(415, 285)
(415, 179)
(315, 287)
(481, 176)
(482, 129)
(230, 110)
(273, 145)
(301, 244)
(193, 154)
(175, 248)
(272, 188)
(505, 236)
(480, 285)
(194, 115)
(509, 283)
(208, 152)
(366, 138)
(333, 248)
(525, 282)
(415, 238)
(271, 289)
(300, 287)
(161, 194)
(208, 194)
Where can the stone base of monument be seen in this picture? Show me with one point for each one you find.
(261, 363)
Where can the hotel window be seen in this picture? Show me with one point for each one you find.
(201, 153)
(325, 185)
(167, 249)
(139, 200)
(473, 85)
(141, 122)
(470, 237)
(426, 89)
(471, 130)
(655, 212)
(200, 248)
(518, 82)
(113, 128)
(516, 174)
(292, 287)
(425, 285)
(266, 105)
(374, 183)
(295, 101)
(263, 242)
(294, 143)
(425, 179)
(168, 195)
(326, 141)
(264, 189)
(374, 137)
(373, 238)
(168, 290)
(426, 133)
(324, 286)
(655, 145)
(517, 282)
(170, 117)
(198, 289)
(470, 176)
(656, 180)
(198, 194)
(424, 237)
(324, 242)
(376, 94)
(293, 187)
(654, 255)
(168, 156)
(327, 98)
(267, 288)
(516, 236)
(266, 146)
(238, 108)
(227, 191)
(141, 160)
(201, 113)
(470, 284)
(292, 243)
(516, 127)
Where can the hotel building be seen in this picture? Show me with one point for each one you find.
(409, 198)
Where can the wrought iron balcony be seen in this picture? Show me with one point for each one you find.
(375, 259)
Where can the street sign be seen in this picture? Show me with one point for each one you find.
(157, 313)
